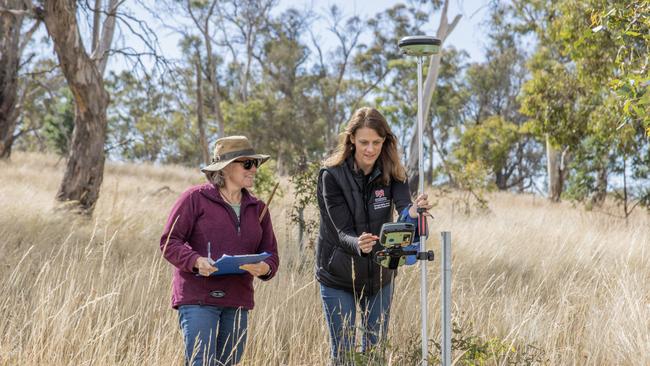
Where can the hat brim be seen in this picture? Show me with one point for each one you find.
(215, 167)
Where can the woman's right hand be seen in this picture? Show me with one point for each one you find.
(366, 241)
(205, 266)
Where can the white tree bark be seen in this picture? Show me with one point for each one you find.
(203, 22)
(100, 55)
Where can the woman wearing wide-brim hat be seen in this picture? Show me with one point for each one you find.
(206, 222)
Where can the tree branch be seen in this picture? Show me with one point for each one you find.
(108, 31)
(27, 37)
(96, 20)
(15, 12)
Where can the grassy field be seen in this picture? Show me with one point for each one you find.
(532, 282)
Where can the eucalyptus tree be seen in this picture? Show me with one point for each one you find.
(396, 96)
(13, 42)
(501, 141)
(553, 97)
(242, 24)
(295, 128)
(203, 18)
(83, 71)
(193, 21)
(140, 117)
(616, 144)
(333, 68)
(568, 99)
(627, 24)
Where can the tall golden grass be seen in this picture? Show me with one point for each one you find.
(95, 291)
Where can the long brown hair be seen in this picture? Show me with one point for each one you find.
(388, 159)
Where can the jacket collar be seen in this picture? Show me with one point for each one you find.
(376, 169)
(213, 194)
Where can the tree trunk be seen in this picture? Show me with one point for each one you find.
(554, 172)
(432, 141)
(216, 97)
(602, 176)
(601, 187)
(215, 105)
(501, 180)
(85, 167)
(625, 197)
(412, 168)
(203, 141)
(247, 71)
(10, 25)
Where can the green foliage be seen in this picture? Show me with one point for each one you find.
(628, 24)
(585, 88)
(577, 96)
(59, 125)
(551, 99)
(276, 126)
(265, 181)
(45, 96)
(488, 143)
(140, 120)
(180, 137)
(146, 122)
(481, 161)
(396, 95)
(477, 350)
(471, 178)
(467, 349)
(282, 112)
(604, 43)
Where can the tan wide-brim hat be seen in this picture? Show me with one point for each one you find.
(230, 148)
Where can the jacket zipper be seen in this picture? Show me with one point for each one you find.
(367, 202)
(237, 220)
(234, 215)
(365, 209)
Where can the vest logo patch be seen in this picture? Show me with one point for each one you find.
(381, 201)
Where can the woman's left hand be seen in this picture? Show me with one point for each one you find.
(256, 269)
(422, 201)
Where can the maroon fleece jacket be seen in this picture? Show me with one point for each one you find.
(200, 216)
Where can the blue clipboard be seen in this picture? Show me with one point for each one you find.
(229, 264)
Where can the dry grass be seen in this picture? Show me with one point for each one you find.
(96, 291)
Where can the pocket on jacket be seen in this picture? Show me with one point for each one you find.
(340, 264)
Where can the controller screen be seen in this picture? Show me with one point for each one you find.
(398, 238)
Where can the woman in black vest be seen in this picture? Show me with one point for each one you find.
(360, 185)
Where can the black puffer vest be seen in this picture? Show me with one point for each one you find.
(350, 204)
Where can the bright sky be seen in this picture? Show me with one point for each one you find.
(468, 35)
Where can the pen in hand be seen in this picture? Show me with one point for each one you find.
(206, 265)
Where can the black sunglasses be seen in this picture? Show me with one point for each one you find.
(248, 164)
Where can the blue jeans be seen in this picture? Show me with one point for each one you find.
(214, 336)
(340, 313)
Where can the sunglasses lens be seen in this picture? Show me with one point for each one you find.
(249, 164)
